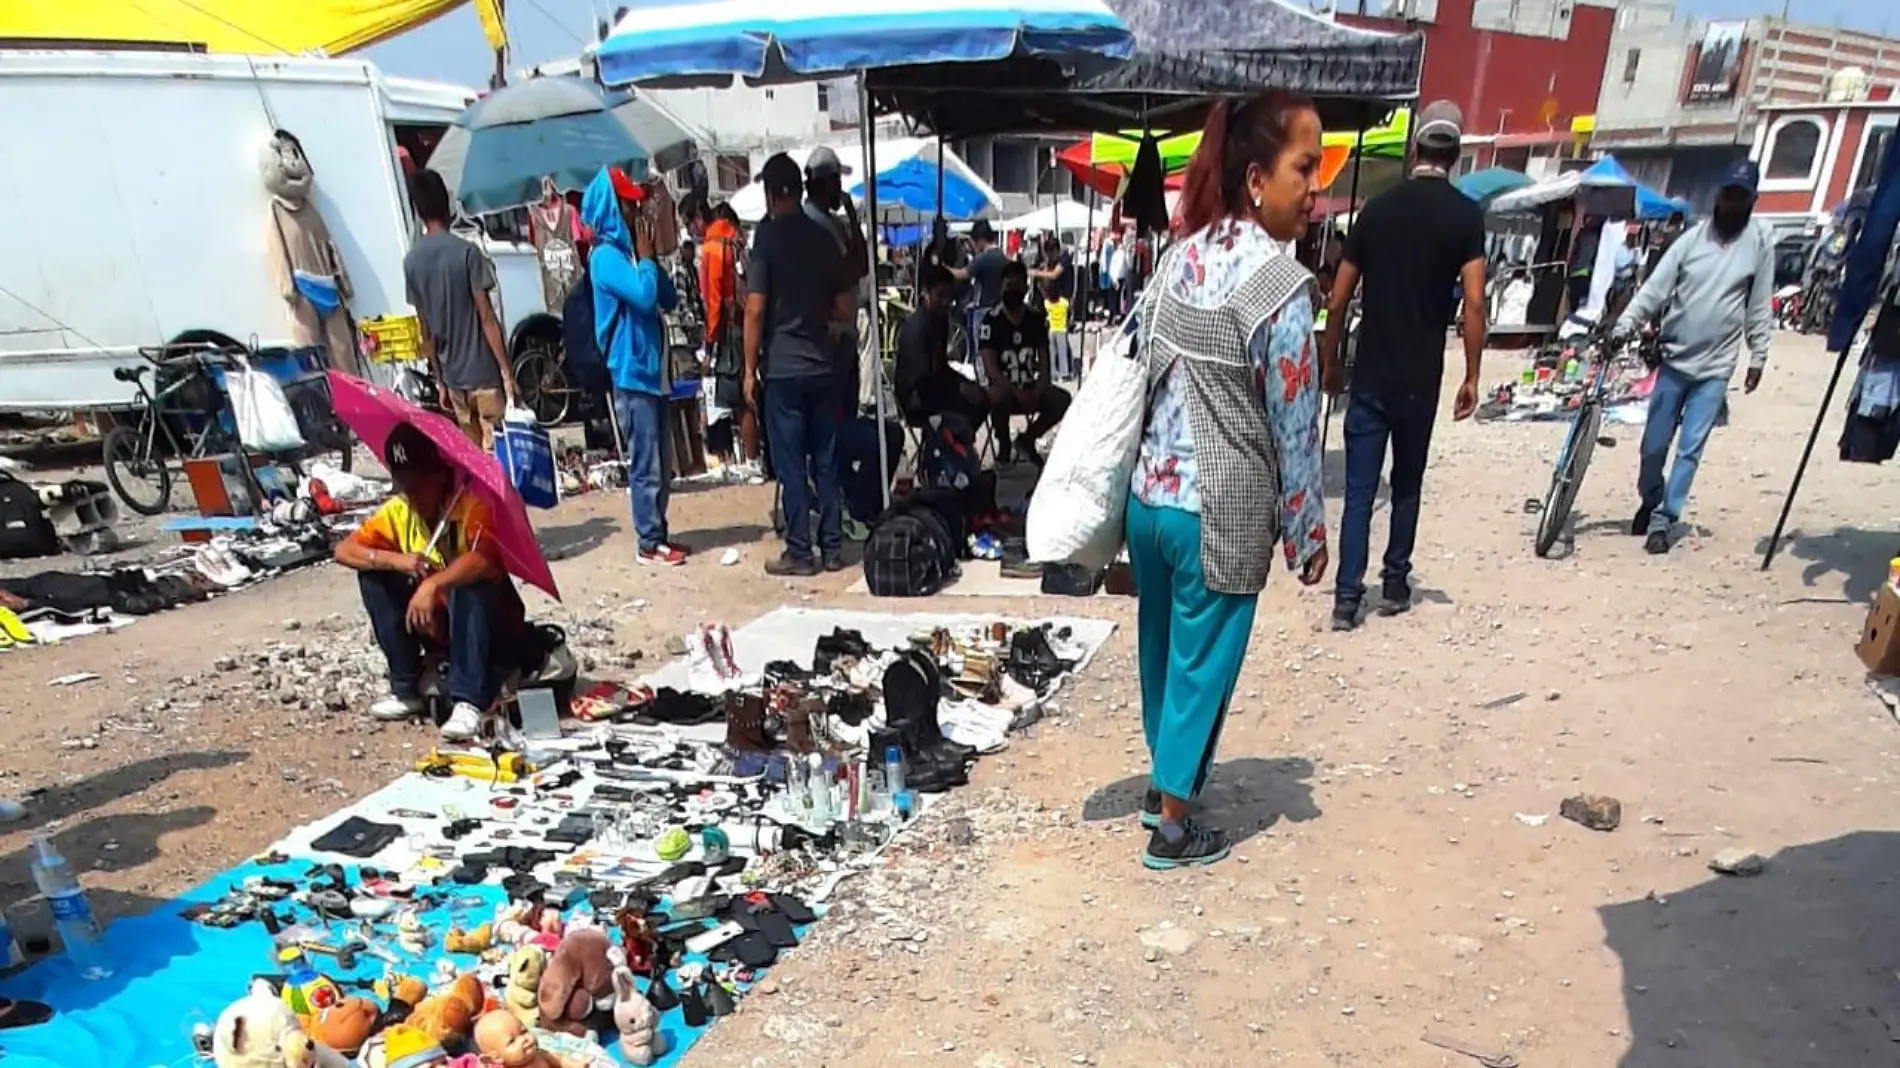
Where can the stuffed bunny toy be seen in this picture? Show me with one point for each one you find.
(636, 1020)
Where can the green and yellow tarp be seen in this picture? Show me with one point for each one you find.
(329, 27)
(1103, 161)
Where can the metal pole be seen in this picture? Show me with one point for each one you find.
(868, 128)
(1086, 275)
(1794, 487)
(1352, 205)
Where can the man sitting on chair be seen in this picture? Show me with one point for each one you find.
(1013, 340)
(431, 576)
(927, 386)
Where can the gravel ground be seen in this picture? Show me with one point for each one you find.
(1401, 868)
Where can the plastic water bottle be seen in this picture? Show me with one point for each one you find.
(78, 928)
(894, 770)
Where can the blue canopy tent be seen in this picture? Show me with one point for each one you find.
(1602, 181)
(1860, 288)
(693, 42)
(908, 182)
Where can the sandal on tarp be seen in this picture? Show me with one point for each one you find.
(23, 1014)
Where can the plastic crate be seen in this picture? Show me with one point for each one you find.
(392, 338)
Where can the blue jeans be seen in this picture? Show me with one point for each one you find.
(801, 421)
(1683, 409)
(643, 421)
(475, 614)
(1405, 420)
(858, 468)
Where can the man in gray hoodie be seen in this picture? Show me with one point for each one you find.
(1710, 290)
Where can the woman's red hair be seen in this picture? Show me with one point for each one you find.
(1236, 136)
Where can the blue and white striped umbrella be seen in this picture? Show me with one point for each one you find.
(711, 42)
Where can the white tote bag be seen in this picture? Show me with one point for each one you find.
(1081, 500)
(265, 421)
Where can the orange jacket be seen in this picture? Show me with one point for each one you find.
(719, 270)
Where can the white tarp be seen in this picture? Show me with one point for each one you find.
(749, 203)
(1064, 215)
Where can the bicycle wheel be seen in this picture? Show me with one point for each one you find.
(325, 435)
(542, 382)
(1568, 478)
(137, 474)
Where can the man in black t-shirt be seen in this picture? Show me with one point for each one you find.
(1013, 341)
(1413, 246)
(926, 384)
(985, 275)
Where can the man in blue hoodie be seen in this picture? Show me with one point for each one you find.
(630, 293)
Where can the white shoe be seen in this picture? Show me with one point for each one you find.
(392, 708)
(464, 723)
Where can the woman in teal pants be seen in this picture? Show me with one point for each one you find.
(1230, 458)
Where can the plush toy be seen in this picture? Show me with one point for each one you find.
(551, 930)
(305, 262)
(514, 923)
(411, 935)
(578, 982)
(641, 948)
(258, 1031)
(476, 941)
(404, 1046)
(450, 1013)
(522, 997)
(637, 1021)
(345, 1026)
(504, 1041)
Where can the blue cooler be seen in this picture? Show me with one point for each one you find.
(526, 454)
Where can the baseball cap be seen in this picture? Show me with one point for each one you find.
(823, 161)
(624, 186)
(1742, 174)
(780, 176)
(1440, 125)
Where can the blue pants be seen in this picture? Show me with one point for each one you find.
(1190, 643)
(858, 468)
(1683, 409)
(1373, 420)
(475, 614)
(801, 421)
(643, 421)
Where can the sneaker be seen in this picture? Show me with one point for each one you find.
(1656, 544)
(1193, 847)
(1151, 808)
(1345, 617)
(1395, 600)
(463, 724)
(661, 556)
(835, 564)
(1027, 445)
(789, 566)
(392, 708)
(1639, 526)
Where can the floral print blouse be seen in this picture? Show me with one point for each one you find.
(1210, 265)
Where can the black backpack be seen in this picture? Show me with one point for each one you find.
(25, 531)
(914, 548)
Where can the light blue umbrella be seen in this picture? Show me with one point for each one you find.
(496, 153)
(1492, 182)
(710, 42)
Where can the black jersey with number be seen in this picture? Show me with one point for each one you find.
(1019, 346)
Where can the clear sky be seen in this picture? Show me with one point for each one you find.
(451, 49)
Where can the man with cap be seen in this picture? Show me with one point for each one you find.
(798, 293)
(1711, 290)
(1413, 247)
(985, 275)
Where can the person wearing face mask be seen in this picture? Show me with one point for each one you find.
(1229, 464)
(1711, 290)
(1013, 342)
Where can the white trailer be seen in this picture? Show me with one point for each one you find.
(136, 212)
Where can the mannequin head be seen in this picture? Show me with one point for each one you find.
(285, 168)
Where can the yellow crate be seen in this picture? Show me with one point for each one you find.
(392, 338)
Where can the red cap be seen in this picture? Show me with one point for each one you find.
(624, 187)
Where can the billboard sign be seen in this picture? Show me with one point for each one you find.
(1718, 62)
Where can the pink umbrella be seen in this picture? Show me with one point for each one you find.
(372, 411)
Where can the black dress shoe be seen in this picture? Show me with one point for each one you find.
(661, 996)
(718, 1001)
(694, 1007)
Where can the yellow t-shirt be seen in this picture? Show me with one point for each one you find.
(397, 528)
(1058, 312)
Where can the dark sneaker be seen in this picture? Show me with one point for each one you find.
(789, 566)
(1193, 847)
(1345, 617)
(1656, 544)
(835, 563)
(1639, 526)
(1027, 446)
(1151, 808)
(1395, 600)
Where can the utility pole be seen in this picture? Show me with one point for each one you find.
(500, 77)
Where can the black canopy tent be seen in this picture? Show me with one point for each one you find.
(1173, 77)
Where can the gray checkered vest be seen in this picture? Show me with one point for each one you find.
(1236, 461)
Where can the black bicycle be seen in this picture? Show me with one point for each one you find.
(1579, 444)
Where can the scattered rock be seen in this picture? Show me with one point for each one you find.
(1737, 862)
(676, 646)
(293, 624)
(1173, 941)
(1599, 812)
(959, 832)
(1530, 819)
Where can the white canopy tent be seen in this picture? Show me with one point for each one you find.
(1063, 216)
(749, 202)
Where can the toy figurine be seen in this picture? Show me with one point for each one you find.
(637, 1021)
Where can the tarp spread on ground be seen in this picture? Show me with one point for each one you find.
(331, 27)
(650, 828)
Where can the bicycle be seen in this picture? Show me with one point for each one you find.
(1580, 443)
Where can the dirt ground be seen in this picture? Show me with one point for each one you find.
(1401, 866)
